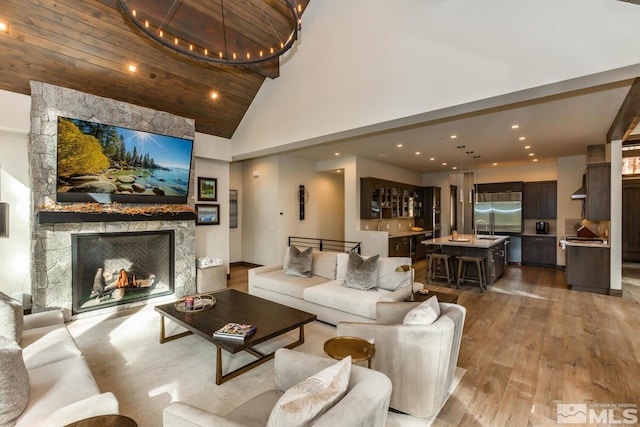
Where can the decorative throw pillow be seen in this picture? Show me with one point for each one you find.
(391, 279)
(14, 382)
(299, 262)
(424, 314)
(11, 318)
(307, 400)
(361, 273)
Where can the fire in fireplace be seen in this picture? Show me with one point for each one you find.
(117, 268)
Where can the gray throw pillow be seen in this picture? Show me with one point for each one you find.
(299, 263)
(11, 318)
(14, 382)
(361, 273)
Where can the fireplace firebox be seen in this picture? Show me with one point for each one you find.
(117, 268)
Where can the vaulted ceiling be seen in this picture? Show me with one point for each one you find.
(88, 45)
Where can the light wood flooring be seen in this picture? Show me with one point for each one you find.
(530, 343)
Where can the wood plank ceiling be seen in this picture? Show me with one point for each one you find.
(87, 45)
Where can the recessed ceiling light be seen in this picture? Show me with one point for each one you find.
(4, 27)
(515, 126)
(214, 95)
(455, 167)
(132, 68)
(532, 154)
(336, 154)
(535, 160)
(432, 158)
(444, 164)
(417, 153)
(522, 138)
(338, 170)
(454, 136)
(526, 147)
(399, 145)
(495, 164)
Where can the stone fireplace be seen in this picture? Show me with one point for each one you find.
(54, 234)
(109, 269)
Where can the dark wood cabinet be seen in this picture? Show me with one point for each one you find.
(400, 246)
(598, 201)
(540, 200)
(588, 268)
(539, 250)
(387, 199)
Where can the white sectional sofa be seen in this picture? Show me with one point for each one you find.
(61, 388)
(324, 294)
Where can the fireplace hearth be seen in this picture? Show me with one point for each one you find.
(118, 268)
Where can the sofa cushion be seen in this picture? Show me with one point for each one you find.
(47, 345)
(341, 266)
(333, 295)
(299, 262)
(55, 386)
(424, 314)
(11, 318)
(14, 382)
(361, 273)
(304, 402)
(277, 281)
(389, 278)
(324, 264)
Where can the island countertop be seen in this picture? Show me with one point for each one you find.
(466, 240)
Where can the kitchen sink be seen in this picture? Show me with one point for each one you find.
(487, 237)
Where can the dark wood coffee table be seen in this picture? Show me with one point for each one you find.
(271, 320)
(442, 297)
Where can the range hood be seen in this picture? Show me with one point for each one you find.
(581, 193)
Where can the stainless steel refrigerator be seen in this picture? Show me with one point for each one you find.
(501, 213)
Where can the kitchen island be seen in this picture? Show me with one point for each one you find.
(492, 249)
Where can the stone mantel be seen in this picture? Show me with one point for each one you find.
(55, 217)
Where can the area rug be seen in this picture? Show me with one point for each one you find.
(126, 358)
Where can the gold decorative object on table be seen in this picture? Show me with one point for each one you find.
(195, 303)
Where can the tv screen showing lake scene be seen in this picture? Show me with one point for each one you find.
(104, 163)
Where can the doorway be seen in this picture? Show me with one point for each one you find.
(631, 220)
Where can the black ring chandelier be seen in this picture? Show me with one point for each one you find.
(247, 32)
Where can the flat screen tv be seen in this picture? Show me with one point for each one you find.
(103, 163)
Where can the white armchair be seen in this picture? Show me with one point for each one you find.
(366, 403)
(420, 360)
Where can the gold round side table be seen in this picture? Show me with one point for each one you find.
(359, 349)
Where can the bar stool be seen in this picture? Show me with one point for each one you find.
(440, 266)
(480, 279)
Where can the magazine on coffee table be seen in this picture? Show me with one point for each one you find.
(235, 331)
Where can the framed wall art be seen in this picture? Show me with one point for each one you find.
(233, 208)
(207, 214)
(208, 189)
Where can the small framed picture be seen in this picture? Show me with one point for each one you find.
(207, 214)
(208, 189)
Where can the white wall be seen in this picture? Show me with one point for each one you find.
(15, 250)
(346, 76)
(213, 240)
(329, 190)
(260, 211)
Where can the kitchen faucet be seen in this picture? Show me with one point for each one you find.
(378, 224)
(478, 222)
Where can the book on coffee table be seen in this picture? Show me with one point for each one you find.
(235, 331)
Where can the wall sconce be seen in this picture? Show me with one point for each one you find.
(4, 219)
